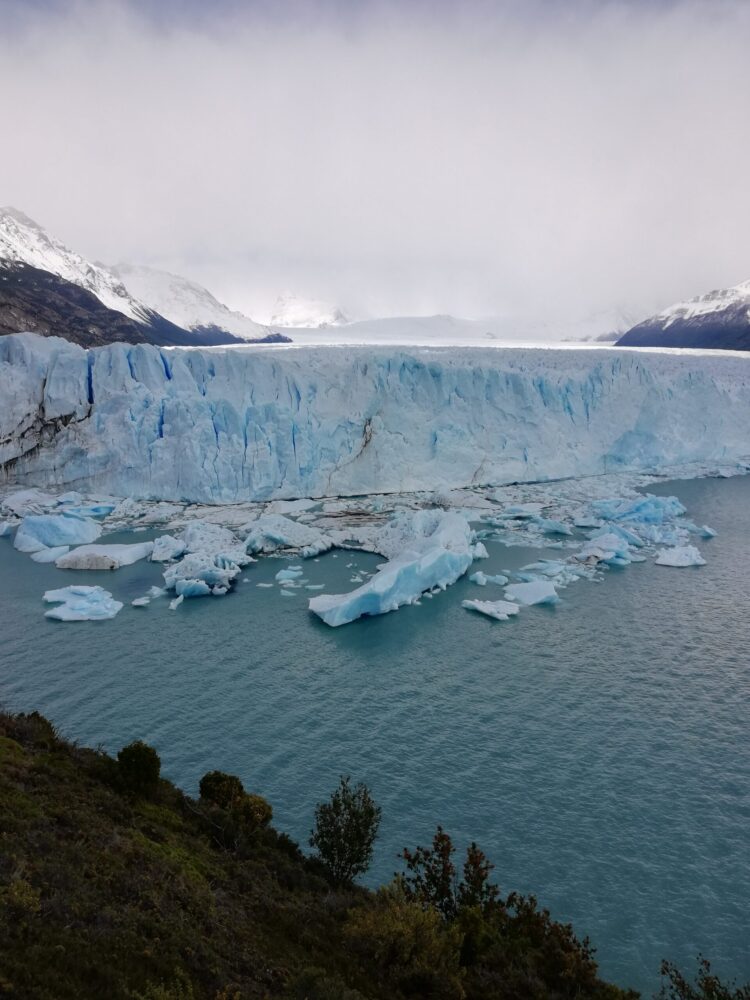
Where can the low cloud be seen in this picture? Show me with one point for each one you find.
(534, 159)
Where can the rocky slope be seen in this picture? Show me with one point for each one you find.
(719, 320)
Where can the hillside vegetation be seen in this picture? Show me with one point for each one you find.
(114, 884)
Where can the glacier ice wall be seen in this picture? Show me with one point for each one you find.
(221, 425)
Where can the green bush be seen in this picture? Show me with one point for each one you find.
(414, 947)
(254, 810)
(345, 830)
(138, 767)
(221, 789)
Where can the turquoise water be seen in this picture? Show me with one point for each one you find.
(598, 751)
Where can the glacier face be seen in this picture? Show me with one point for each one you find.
(227, 424)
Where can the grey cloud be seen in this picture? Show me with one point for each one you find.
(477, 158)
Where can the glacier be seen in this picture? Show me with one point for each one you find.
(227, 425)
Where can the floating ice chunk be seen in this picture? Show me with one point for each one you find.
(550, 527)
(707, 532)
(680, 556)
(535, 592)
(214, 569)
(23, 502)
(645, 510)
(285, 592)
(202, 536)
(81, 604)
(482, 579)
(264, 585)
(501, 610)
(610, 548)
(39, 531)
(174, 605)
(167, 547)
(522, 510)
(288, 574)
(104, 556)
(141, 602)
(626, 534)
(435, 550)
(6, 528)
(309, 586)
(50, 555)
(272, 532)
(192, 588)
(478, 551)
(156, 592)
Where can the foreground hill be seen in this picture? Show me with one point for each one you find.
(107, 891)
(719, 320)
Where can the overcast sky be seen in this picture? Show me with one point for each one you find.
(523, 158)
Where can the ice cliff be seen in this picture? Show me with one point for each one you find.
(222, 425)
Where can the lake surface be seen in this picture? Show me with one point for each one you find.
(598, 751)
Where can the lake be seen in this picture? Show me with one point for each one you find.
(598, 751)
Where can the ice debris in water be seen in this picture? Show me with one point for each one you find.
(680, 556)
(501, 610)
(427, 548)
(292, 573)
(81, 604)
(50, 555)
(41, 531)
(272, 532)
(166, 548)
(482, 579)
(104, 556)
(535, 592)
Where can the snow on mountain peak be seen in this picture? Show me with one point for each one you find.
(24, 241)
(703, 305)
(292, 311)
(185, 302)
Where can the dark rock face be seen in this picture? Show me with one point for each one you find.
(35, 300)
(40, 302)
(727, 330)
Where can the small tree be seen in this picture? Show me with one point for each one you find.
(138, 767)
(345, 830)
(707, 986)
(431, 878)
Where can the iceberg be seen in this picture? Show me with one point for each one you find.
(81, 604)
(50, 555)
(272, 532)
(224, 425)
(680, 556)
(48, 531)
(166, 548)
(535, 592)
(286, 575)
(500, 610)
(428, 549)
(104, 556)
(482, 579)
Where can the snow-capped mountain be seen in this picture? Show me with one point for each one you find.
(719, 319)
(292, 311)
(185, 302)
(48, 289)
(23, 241)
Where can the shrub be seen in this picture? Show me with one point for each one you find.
(221, 789)
(254, 810)
(345, 830)
(707, 986)
(413, 946)
(138, 767)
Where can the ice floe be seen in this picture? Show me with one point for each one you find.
(500, 610)
(104, 556)
(81, 604)
(42, 531)
(535, 592)
(680, 556)
(427, 549)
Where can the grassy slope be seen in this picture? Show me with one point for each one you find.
(107, 896)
